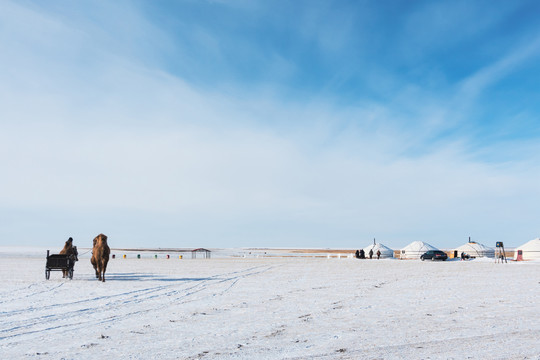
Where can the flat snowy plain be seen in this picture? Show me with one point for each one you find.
(269, 308)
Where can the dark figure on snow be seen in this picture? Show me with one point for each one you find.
(357, 254)
(100, 256)
(70, 251)
(362, 254)
(371, 253)
(378, 254)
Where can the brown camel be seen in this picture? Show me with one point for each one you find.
(71, 251)
(100, 256)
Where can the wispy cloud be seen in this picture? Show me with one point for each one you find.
(119, 143)
(474, 85)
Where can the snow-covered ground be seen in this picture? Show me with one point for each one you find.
(269, 308)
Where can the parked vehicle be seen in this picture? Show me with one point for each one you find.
(434, 255)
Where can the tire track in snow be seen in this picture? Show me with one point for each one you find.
(5, 294)
(91, 300)
(118, 301)
(400, 351)
(122, 302)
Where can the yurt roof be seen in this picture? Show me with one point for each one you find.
(474, 246)
(380, 247)
(530, 250)
(418, 246)
(533, 245)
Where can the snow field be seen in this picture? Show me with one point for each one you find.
(271, 308)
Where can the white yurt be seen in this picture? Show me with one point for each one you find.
(386, 252)
(415, 249)
(475, 250)
(528, 251)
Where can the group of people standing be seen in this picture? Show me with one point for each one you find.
(360, 254)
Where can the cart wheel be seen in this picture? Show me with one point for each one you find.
(47, 274)
(70, 274)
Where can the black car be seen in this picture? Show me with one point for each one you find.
(434, 255)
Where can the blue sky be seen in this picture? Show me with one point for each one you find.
(278, 124)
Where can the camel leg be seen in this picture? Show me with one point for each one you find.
(94, 264)
(103, 268)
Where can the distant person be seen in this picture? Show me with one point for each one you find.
(371, 253)
(71, 252)
(362, 254)
(462, 256)
(357, 254)
(378, 254)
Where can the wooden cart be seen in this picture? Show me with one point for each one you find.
(59, 262)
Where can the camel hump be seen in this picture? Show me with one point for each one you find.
(100, 241)
(101, 236)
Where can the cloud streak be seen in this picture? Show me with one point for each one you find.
(120, 145)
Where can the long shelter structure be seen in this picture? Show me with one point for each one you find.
(205, 252)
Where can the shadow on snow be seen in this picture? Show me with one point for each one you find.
(148, 277)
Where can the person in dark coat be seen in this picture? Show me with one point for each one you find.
(371, 253)
(357, 254)
(378, 254)
(362, 254)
